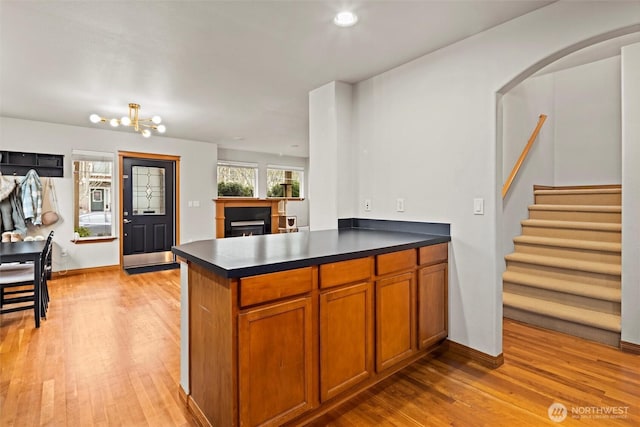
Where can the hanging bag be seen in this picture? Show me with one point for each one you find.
(49, 204)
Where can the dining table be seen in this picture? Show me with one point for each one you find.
(26, 252)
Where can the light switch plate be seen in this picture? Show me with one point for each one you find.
(478, 206)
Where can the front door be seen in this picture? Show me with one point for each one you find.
(148, 211)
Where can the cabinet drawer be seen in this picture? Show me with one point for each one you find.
(395, 261)
(273, 286)
(340, 273)
(433, 254)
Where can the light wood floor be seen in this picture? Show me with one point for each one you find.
(108, 354)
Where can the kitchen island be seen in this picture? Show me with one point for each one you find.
(281, 328)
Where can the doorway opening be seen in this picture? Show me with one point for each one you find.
(149, 203)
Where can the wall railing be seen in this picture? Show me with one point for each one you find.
(523, 156)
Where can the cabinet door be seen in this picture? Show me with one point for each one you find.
(395, 319)
(346, 338)
(432, 305)
(275, 356)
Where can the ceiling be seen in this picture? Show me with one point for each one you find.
(235, 73)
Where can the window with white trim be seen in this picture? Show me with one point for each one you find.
(93, 195)
(285, 181)
(237, 179)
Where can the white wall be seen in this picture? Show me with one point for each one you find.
(298, 208)
(347, 205)
(197, 180)
(331, 169)
(426, 131)
(587, 124)
(631, 194)
(521, 108)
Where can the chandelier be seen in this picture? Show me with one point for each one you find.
(144, 126)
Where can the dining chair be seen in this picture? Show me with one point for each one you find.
(18, 284)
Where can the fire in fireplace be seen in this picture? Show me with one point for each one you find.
(247, 228)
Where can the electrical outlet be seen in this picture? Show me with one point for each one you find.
(399, 205)
(367, 205)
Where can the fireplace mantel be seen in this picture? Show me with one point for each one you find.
(239, 202)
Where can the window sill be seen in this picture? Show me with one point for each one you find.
(238, 198)
(83, 240)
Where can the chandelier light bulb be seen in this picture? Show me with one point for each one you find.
(125, 121)
(94, 118)
(114, 123)
(161, 128)
(146, 133)
(345, 19)
(156, 119)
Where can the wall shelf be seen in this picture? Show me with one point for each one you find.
(19, 163)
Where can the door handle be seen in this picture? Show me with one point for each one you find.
(126, 221)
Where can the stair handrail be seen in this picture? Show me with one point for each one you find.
(523, 155)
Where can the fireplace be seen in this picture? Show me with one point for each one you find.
(270, 215)
(247, 221)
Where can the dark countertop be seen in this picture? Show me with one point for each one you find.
(248, 256)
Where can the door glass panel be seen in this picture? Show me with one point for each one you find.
(148, 190)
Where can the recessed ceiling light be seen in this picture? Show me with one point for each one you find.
(238, 138)
(345, 19)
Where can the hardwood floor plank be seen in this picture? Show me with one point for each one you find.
(108, 354)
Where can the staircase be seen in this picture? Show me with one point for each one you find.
(565, 272)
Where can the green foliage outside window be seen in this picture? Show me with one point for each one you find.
(234, 189)
(277, 190)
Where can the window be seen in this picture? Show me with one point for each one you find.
(284, 181)
(92, 186)
(237, 179)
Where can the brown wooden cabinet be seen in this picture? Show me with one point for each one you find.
(275, 347)
(280, 348)
(395, 319)
(432, 305)
(346, 338)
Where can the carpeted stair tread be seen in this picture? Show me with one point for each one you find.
(610, 322)
(569, 243)
(577, 208)
(566, 263)
(565, 286)
(576, 225)
(580, 191)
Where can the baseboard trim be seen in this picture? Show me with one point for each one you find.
(184, 397)
(477, 356)
(58, 274)
(629, 347)
(198, 415)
